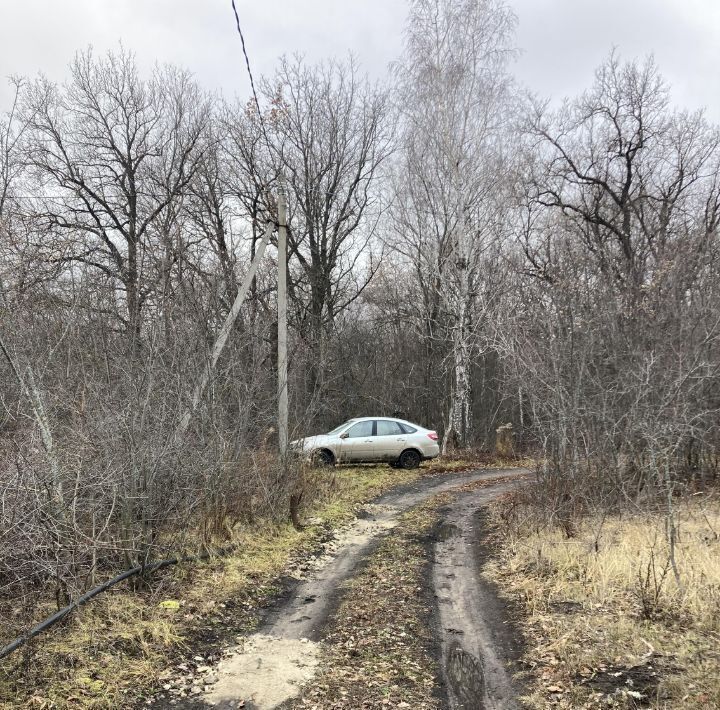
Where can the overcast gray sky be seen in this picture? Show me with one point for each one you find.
(562, 40)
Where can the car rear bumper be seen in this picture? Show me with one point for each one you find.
(431, 452)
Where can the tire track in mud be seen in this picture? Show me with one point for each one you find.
(269, 667)
(476, 645)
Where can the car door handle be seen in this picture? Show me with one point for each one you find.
(402, 438)
(368, 441)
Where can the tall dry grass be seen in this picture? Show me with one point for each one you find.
(608, 598)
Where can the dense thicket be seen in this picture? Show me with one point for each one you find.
(613, 323)
(459, 255)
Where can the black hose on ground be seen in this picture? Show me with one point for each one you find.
(60, 615)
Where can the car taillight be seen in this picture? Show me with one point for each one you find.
(432, 435)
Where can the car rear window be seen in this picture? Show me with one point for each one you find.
(407, 429)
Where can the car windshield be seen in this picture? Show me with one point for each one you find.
(337, 430)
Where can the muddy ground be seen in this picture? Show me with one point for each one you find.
(473, 641)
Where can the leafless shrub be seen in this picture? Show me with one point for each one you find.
(649, 587)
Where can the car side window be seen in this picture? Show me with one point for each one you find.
(360, 429)
(407, 429)
(387, 428)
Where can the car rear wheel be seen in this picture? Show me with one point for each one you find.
(323, 458)
(409, 459)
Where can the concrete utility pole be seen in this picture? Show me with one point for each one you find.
(282, 323)
(222, 337)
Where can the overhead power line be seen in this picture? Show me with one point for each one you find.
(250, 74)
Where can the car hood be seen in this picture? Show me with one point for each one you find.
(311, 442)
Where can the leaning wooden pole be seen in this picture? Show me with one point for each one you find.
(282, 325)
(222, 337)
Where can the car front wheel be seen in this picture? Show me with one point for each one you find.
(409, 459)
(323, 458)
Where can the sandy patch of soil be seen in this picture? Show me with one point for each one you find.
(264, 673)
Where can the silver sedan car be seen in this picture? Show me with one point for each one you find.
(370, 439)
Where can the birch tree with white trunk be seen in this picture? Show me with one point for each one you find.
(454, 93)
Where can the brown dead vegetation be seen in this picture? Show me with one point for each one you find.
(607, 623)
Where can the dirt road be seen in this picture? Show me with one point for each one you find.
(268, 668)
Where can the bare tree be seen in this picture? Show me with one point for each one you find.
(11, 131)
(624, 168)
(114, 152)
(333, 134)
(614, 319)
(454, 94)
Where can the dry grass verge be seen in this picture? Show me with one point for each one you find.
(606, 622)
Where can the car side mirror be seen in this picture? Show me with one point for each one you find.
(344, 435)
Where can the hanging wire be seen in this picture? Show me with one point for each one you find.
(250, 74)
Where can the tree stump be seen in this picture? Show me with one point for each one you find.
(505, 441)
